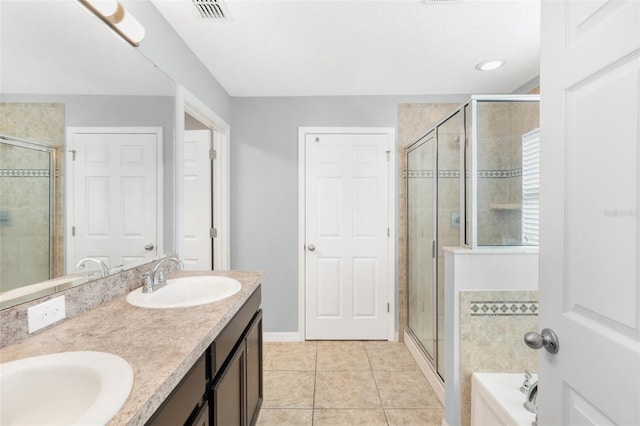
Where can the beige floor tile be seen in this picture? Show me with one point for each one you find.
(291, 356)
(414, 417)
(342, 357)
(346, 389)
(349, 418)
(390, 356)
(405, 389)
(288, 389)
(285, 417)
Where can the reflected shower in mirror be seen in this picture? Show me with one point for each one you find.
(62, 68)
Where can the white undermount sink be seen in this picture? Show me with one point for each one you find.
(65, 388)
(185, 292)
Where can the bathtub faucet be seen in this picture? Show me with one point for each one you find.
(531, 403)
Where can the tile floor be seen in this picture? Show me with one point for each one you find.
(337, 383)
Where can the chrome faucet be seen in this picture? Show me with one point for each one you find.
(156, 279)
(103, 267)
(531, 403)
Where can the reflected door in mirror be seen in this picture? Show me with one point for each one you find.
(114, 195)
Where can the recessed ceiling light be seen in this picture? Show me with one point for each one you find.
(490, 65)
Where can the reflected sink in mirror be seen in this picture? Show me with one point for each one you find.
(185, 292)
(66, 388)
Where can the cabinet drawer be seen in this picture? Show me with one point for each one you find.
(184, 399)
(229, 337)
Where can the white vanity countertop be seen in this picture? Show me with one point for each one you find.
(160, 344)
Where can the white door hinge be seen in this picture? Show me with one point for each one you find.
(212, 154)
(73, 231)
(388, 155)
(73, 154)
(388, 307)
(213, 233)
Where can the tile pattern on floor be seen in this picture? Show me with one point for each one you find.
(335, 383)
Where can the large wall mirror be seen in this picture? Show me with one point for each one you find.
(69, 88)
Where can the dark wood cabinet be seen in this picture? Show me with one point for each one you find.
(186, 398)
(228, 392)
(224, 387)
(236, 395)
(254, 370)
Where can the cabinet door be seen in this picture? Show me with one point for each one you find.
(228, 392)
(202, 419)
(254, 368)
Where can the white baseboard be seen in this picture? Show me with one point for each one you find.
(426, 368)
(293, 336)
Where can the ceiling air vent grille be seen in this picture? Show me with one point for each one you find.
(212, 9)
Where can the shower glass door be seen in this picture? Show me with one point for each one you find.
(421, 237)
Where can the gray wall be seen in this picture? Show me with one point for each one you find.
(264, 183)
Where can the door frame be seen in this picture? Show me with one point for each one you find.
(392, 290)
(69, 181)
(188, 103)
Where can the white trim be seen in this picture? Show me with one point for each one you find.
(425, 366)
(392, 335)
(189, 103)
(69, 180)
(293, 336)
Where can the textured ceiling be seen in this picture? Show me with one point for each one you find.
(355, 47)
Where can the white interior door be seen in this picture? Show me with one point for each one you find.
(589, 242)
(197, 247)
(347, 235)
(113, 195)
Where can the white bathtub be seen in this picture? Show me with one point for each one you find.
(496, 400)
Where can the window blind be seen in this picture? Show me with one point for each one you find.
(531, 188)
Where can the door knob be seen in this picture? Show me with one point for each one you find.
(311, 247)
(149, 247)
(546, 339)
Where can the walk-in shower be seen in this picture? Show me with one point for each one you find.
(471, 181)
(27, 189)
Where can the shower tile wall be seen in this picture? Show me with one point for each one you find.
(42, 122)
(413, 121)
(24, 206)
(500, 129)
(492, 326)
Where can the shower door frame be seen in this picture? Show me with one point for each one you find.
(53, 174)
(432, 135)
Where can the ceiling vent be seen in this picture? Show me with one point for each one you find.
(214, 10)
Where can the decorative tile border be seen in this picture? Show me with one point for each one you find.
(523, 308)
(428, 174)
(499, 173)
(24, 173)
(422, 174)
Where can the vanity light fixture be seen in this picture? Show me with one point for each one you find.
(490, 65)
(118, 18)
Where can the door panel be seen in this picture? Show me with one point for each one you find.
(589, 283)
(113, 195)
(347, 225)
(198, 207)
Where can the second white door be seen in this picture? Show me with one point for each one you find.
(347, 235)
(197, 244)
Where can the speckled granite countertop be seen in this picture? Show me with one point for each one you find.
(160, 344)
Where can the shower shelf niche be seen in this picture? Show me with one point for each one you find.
(505, 206)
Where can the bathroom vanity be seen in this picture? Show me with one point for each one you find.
(224, 387)
(200, 365)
